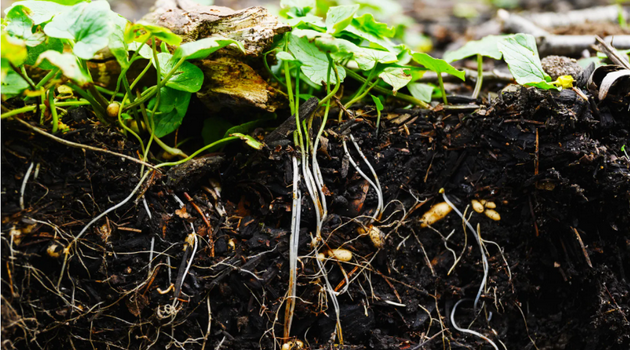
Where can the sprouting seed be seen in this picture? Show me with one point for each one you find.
(293, 345)
(340, 254)
(321, 257)
(435, 214)
(477, 206)
(492, 214)
(490, 205)
(232, 244)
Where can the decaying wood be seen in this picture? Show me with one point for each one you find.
(230, 79)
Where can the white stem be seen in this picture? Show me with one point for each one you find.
(293, 247)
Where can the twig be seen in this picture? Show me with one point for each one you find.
(588, 259)
(78, 145)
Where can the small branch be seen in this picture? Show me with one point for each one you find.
(78, 145)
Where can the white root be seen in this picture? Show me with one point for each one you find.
(23, 188)
(484, 258)
(379, 191)
(468, 331)
(356, 167)
(293, 248)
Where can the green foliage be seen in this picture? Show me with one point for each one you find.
(422, 92)
(437, 65)
(186, 77)
(314, 63)
(13, 84)
(89, 25)
(339, 17)
(20, 25)
(521, 55)
(487, 46)
(203, 48)
(141, 32)
(68, 64)
(171, 110)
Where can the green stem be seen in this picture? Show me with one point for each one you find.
(98, 97)
(358, 93)
(109, 92)
(358, 98)
(101, 112)
(332, 93)
(441, 82)
(270, 71)
(287, 75)
(216, 143)
(128, 129)
(477, 90)
(34, 107)
(123, 73)
(382, 90)
(150, 92)
(46, 78)
(53, 110)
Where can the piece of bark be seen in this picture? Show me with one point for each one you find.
(255, 27)
(230, 79)
(285, 129)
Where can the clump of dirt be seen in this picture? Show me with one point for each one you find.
(550, 162)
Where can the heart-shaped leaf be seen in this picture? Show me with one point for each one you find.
(521, 54)
(437, 65)
(188, 77)
(397, 77)
(422, 92)
(488, 46)
(68, 64)
(142, 32)
(339, 17)
(20, 25)
(171, 111)
(314, 62)
(368, 24)
(41, 11)
(90, 25)
(203, 48)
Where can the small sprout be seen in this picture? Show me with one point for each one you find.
(435, 214)
(490, 205)
(54, 250)
(492, 214)
(340, 254)
(112, 109)
(477, 206)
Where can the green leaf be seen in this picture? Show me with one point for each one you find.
(41, 11)
(251, 125)
(13, 84)
(90, 25)
(397, 77)
(437, 65)
(285, 56)
(20, 25)
(309, 19)
(422, 92)
(374, 40)
(34, 52)
(117, 44)
(487, 46)
(521, 55)
(188, 77)
(377, 103)
(13, 49)
(171, 111)
(314, 62)
(142, 32)
(339, 17)
(368, 24)
(302, 6)
(203, 48)
(68, 64)
(145, 50)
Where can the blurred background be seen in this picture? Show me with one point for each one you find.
(429, 25)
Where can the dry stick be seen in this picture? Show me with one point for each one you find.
(78, 145)
(575, 17)
(588, 259)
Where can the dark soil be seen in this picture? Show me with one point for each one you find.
(550, 161)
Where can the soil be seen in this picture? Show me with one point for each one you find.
(550, 161)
